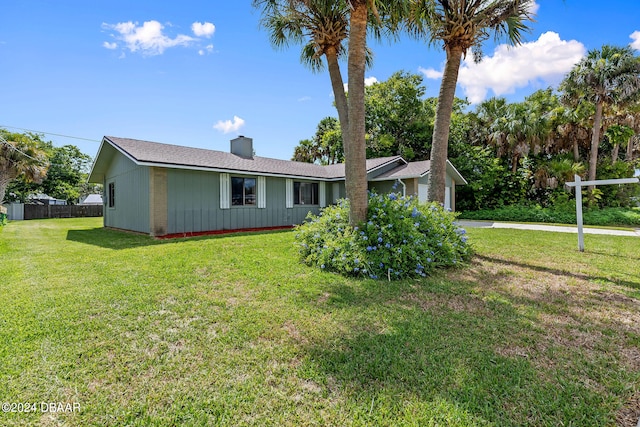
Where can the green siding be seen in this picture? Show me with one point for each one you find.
(193, 203)
(383, 187)
(131, 211)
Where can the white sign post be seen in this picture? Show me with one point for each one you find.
(578, 183)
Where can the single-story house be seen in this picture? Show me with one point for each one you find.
(162, 189)
(44, 199)
(92, 199)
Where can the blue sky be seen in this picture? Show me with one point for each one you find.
(199, 73)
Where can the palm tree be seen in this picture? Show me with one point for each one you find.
(461, 25)
(324, 26)
(20, 156)
(609, 76)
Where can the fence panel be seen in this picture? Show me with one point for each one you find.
(61, 211)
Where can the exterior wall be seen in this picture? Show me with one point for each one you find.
(382, 187)
(387, 186)
(158, 221)
(422, 188)
(337, 191)
(131, 210)
(193, 205)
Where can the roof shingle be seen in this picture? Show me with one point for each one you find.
(147, 152)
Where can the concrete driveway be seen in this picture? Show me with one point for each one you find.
(556, 228)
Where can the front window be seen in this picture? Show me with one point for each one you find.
(243, 191)
(305, 193)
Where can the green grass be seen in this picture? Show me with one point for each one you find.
(232, 330)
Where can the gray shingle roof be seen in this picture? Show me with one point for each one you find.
(146, 152)
(410, 170)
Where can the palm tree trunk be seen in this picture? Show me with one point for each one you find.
(355, 148)
(576, 151)
(614, 153)
(439, 147)
(629, 156)
(338, 92)
(5, 178)
(595, 142)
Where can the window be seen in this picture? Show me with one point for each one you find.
(112, 195)
(243, 191)
(305, 193)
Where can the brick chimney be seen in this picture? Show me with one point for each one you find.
(242, 146)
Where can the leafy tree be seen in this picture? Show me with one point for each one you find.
(67, 173)
(21, 155)
(618, 135)
(325, 147)
(66, 176)
(461, 25)
(398, 120)
(608, 76)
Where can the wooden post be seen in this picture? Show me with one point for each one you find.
(579, 213)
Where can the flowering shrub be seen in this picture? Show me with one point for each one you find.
(401, 238)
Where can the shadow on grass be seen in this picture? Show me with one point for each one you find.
(110, 239)
(460, 355)
(117, 239)
(628, 283)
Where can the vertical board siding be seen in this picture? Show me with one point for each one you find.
(194, 198)
(131, 211)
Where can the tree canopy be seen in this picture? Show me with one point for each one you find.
(21, 155)
(66, 170)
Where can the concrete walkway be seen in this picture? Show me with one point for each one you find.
(556, 228)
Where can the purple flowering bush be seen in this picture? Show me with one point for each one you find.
(402, 238)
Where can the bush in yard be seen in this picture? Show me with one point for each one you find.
(401, 238)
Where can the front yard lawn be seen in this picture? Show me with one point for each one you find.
(232, 330)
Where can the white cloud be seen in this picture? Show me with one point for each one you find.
(201, 29)
(430, 73)
(208, 49)
(110, 46)
(147, 38)
(227, 126)
(304, 99)
(368, 81)
(534, 8)
(544, 61)
(635, 36)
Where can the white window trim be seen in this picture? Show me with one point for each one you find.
(225, 190)
(322, 194)
(262, 192)
(289, 193)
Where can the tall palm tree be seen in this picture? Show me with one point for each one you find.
(379, 14)
(20, 155)
(324, 26)
(461, 25)
(608, 76)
